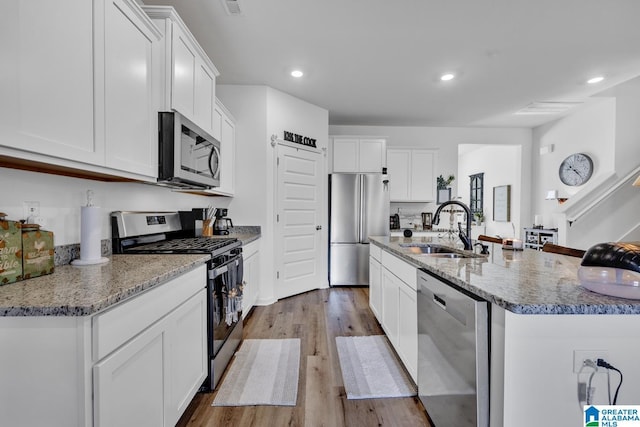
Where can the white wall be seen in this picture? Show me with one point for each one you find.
(607, 129)
(589, 130)
(261, 112)
(501, 166)
(60, 199)
(627, 130)
(446, 141)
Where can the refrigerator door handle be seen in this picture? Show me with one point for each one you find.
(363, 214)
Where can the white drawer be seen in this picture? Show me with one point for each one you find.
(401, 269)
(119, 324)
(250, 248)
(375, 252)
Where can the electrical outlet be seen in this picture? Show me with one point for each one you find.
(31, 209)
(579, 356)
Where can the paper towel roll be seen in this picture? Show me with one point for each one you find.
(90, 236)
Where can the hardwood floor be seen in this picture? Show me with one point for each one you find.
(315, 317)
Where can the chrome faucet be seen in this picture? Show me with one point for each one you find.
(464, 236)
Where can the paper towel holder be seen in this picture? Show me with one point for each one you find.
(90, 222)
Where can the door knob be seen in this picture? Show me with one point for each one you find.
(318, 227)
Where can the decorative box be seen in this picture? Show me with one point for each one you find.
(10, 251)
(37, 251)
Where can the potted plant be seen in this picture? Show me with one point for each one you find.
(444, 183)
(479, 216)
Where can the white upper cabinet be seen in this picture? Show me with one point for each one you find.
(398, 169)
(204, 96)
(47, 79)
(131, 89)
(411, 175)
(359, 154)
(372, 156)
(224, 130)
(189, 74)
(77, 85)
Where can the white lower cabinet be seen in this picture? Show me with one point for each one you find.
(150, 379)
(407, 341)
(390, 308)
(251, 279)
(375, 287)
(137, 363)
(394, 303)
(187, 338)
(129, 385)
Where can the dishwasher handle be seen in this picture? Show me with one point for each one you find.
(440, 302)
(454, 309)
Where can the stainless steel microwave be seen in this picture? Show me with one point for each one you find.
(189, 158)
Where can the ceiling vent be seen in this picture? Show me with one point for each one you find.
(549, 107)
(232, 7)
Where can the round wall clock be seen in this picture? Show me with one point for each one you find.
(576, 169)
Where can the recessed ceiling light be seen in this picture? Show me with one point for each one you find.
(297, 73)
(595, 80)
(446, 77)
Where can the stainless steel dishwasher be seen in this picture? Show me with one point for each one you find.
(453, 353)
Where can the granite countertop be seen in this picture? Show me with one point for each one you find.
(245, 233)
(523, 282)
(85, 290)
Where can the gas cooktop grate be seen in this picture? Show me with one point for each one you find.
(185, 245)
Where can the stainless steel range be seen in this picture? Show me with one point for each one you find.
(173, 233)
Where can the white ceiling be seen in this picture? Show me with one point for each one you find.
(378, 62)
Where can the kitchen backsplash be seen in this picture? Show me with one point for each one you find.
(411, 215)
(64, 254)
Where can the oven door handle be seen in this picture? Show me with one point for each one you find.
(221, 269)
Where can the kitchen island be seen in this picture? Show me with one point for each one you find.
(540, 317)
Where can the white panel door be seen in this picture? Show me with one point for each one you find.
(300, 185)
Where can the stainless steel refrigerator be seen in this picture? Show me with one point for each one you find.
(359, 208)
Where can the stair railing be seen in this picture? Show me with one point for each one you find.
(631, 176)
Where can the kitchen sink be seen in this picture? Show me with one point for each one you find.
(434, 251)
(416, 248)
(444, 255)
